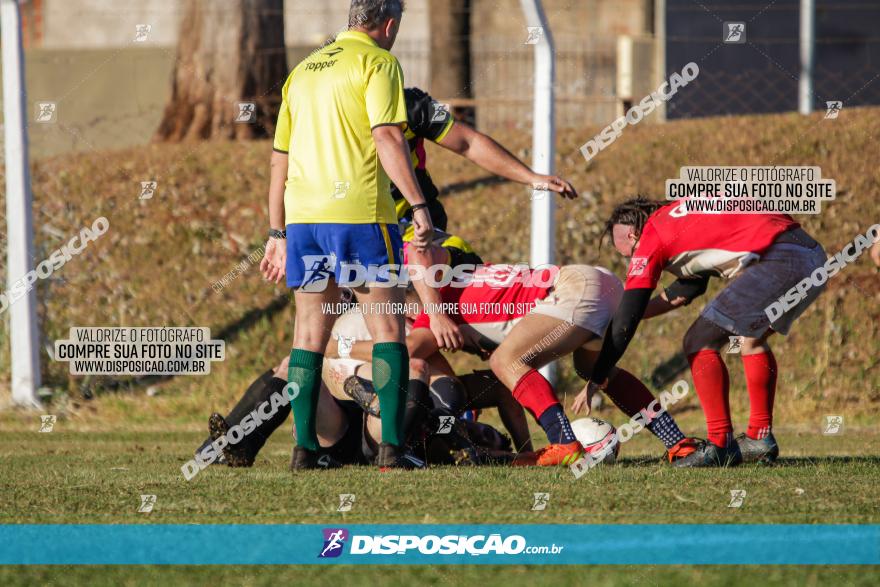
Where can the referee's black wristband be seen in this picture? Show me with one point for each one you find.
(418, 207)
(275, 233)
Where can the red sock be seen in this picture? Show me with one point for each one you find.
(761, 382)
(713, 388)
(628, 393)
(534, 393)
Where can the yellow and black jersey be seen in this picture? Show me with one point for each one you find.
(426, 119)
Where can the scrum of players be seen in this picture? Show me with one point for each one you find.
(519, 320)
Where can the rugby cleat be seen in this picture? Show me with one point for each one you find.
(233, 455)
(710, 455)
(394, 457)
(304, 459)
(551, 455)
(682, 448)
(362, 393)
(764, 450)
(221, 458)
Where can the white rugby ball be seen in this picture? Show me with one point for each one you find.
(598, 437)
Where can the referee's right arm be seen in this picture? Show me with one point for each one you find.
(384, 96)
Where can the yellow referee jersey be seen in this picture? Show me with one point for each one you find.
(331, 102)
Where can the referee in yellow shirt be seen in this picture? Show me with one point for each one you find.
(338, 145)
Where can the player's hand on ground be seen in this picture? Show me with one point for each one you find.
(584, 400)
(423, 229)
(447, 332)
(274, 261)
(555, 184)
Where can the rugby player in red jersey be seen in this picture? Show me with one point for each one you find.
(527, 318)
(767, 254)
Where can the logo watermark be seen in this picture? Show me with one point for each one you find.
(540, 502)
(58, 259)
(833, 425)
(148, 189)
(637, 423)
(147, 504)
(159, 350)
(750, 190)
(817, 278)
(734, 32)
(262, 413)
(46, 112)
(832, 109)
(47, 422)
(142, 32)
(346, 502)
(535, 33)
(319, 269)
(641, 110)
(246, 113)
(737, 497)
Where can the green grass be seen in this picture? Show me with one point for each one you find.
(595, 576)
(77, 477)
(97, 478)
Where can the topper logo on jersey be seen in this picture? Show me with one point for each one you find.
(334, 541)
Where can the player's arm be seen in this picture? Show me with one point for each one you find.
(620, 332)
(446, 331)
(484, 151)
(681, 293)
(274, 261)
(343, 348)
(420, 342)
(386, 110)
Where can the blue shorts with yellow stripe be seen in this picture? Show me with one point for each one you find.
(352, 254)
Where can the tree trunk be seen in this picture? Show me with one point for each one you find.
(230, 54)
(450, 48)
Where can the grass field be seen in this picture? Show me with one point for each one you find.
(118, 439)
(77, 477)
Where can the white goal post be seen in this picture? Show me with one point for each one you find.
(543, 230)
(23, 329)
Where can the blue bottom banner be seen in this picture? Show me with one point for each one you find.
(532, 544)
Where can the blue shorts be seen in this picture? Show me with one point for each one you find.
(352, 254)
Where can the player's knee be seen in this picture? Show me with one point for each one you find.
(505, 366)
(693, 340)
(419, 369)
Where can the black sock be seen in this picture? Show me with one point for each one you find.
(260, 392)
(418, 402)
(556, 425)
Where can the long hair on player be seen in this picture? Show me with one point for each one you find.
(633, 212)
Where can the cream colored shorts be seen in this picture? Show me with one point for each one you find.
(585, 296)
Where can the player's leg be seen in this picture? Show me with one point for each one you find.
(631, 396)
(312, 274)
(311, 334)
(484, 390)
(267, 401)
(534, 342)
(379, 248)
(758, 444)
(744, 311)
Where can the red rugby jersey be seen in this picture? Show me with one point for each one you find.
(690, 244)
(495, 299)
